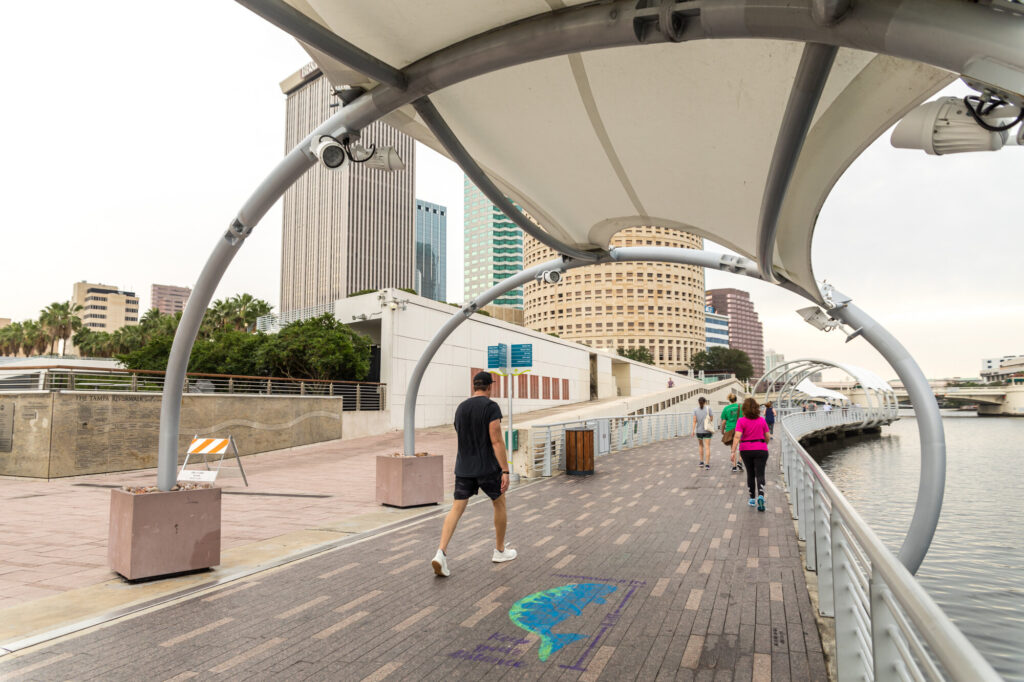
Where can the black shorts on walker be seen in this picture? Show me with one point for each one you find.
(466, 487)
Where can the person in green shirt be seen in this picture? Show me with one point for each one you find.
(730, 413)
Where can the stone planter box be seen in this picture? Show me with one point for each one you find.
(410, 481)
(159, 533)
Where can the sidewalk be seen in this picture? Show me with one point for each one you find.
(54, 535)
(684, 581)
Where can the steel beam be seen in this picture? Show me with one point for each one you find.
(432, 117)
(815, 65)
(306, 30)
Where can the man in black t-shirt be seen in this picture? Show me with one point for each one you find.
(480, 464)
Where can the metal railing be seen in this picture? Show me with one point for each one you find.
(887, 627)
(356, 395)
(612, 434)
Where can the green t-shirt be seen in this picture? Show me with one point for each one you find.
(730, 414)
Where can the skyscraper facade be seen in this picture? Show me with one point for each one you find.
(717, 328)
(105, 308)
(168, 299)
(659, 306)
(431, 254)
(348, 229)
(745, 331)
(493, 248)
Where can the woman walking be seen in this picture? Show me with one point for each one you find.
(769, 417)
(703, 426)
(752, 438)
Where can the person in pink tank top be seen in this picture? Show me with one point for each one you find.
(751, 439)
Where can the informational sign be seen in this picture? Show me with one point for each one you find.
(197, 476)
(497, 356)
(6, 426)
(522, 355)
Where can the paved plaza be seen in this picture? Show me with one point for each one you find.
(650, 569)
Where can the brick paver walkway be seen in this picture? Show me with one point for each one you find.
(696, 586)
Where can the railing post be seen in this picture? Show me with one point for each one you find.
(231, 384)
(810, 555)
(823, 544)
(359, 397)
(883, 629)
(71, 381)
(330, 389)
(135, 382)
(270, 387)
(547, 453)
(848, 663)
(798, 502)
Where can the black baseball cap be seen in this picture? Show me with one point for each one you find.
(483, 378)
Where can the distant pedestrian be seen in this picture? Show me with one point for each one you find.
(752, 438)
(703, 427)
(730, 413)
(671, 383)
(479, 464)
(769, 417)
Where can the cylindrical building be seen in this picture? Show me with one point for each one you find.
(659, 306)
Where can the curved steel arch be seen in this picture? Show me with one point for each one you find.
(933, 455)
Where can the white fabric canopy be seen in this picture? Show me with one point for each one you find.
(807, 387)
(675, 135)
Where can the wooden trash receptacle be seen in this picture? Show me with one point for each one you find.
(579, 452)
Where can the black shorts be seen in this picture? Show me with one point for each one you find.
(704, 436)
(466, 487)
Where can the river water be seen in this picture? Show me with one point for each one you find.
(975, 567)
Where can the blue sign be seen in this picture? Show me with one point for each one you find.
(497, 356)
(522, 355)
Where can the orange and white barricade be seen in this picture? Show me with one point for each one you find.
(205, 447)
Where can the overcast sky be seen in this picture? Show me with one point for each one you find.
(133, 132)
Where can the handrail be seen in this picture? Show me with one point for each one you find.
(157, 372)
(900, 610)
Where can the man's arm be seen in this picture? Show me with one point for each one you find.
(498, 443)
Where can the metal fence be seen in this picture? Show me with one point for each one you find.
(356, 395)
(887, 627)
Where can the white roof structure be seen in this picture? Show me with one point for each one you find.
(677, 134)
(810, 388)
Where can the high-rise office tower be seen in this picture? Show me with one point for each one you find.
(169, 299)
(348, 229)
(105, 308)
(659, 306)
(772, 359)
(493, 249)
(431, 245)
(745, 331)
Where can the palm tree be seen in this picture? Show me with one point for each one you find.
(151, 319)
(10, 339)
(61, 320)
(247, 310)
(34, 339)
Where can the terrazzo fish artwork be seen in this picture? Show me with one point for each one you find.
(541, 611)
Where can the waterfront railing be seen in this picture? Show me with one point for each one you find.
(355, 395)
(886, 626)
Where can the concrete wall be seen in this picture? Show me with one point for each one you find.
(76, 433)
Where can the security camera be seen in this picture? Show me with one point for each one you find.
(817, 318)
(381, 158)
(331, 152)
(945, 126)
(551, 276)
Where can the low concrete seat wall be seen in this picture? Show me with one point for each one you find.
(55, 434)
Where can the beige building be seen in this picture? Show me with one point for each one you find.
(168, 299)
(4, 321)
(659, 306)
(349, 229)
(105, 308)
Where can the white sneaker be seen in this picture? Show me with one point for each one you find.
(508, 555)
(440, 564)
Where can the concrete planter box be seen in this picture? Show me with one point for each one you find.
(156, 534)
(410, 481)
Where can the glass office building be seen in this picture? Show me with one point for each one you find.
(493, 248)
(431, 250)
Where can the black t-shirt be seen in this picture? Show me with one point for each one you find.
(472, 424)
